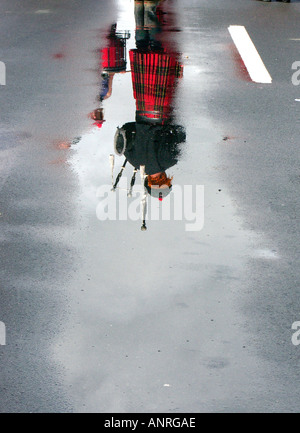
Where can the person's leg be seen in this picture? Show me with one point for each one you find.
(150, 17)
(139, 13)
(141, 35)
(152, 23)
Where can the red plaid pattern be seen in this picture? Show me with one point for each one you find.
(154, 78)
(114, 55)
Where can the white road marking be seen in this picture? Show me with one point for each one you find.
(253, 62)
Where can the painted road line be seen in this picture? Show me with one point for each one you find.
(246, 48)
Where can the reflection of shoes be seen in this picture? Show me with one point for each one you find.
(142, 45)
(113, 29)
(156, 46)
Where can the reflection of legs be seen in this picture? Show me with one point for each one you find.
(147, 24)
(151, 22)
(139, 13)
(141, 36)
(150, 18)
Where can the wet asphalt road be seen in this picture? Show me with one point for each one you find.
(102, 317)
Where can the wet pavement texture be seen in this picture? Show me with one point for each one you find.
(101, 316)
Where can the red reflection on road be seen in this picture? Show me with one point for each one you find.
(58, 56)
(241, 69)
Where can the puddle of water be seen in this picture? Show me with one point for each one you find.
(165, 299)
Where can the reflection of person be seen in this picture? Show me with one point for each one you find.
(154, 146)
(147, 23)
(153, 140)
(113, 61)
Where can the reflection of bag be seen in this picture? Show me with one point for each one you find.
(171, 133)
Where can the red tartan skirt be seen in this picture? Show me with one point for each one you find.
(114, 55)
(154, 77)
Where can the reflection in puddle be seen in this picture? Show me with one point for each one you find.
(157, 309)
(151, 141)
(162, 300)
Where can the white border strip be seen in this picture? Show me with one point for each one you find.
(253, 62)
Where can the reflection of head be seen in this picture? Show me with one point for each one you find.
(159, 185)
(98, 116)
